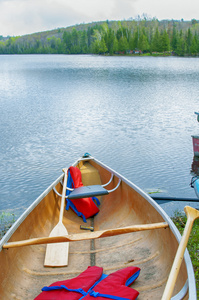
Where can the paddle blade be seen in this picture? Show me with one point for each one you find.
(57, 254)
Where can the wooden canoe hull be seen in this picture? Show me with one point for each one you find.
(22, 269)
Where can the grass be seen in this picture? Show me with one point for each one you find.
(6, 221)
(193, 245)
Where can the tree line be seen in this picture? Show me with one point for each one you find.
(121, 37)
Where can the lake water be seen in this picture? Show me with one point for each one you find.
(136, 114)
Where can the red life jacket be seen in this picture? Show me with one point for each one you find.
(92, 283)
(84, 207)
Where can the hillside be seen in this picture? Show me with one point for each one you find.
(111, 37)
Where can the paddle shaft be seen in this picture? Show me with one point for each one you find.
(86, 236)
(63, 197)
(167, 199)
(192, 215)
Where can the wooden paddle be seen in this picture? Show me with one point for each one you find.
(192, 215)
(86, 236)
(57, 254)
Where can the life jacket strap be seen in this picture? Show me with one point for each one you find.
(95, 199)
(52, 288)
(96, 294)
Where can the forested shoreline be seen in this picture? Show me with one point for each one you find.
(132, 37)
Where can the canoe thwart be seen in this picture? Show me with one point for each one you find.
(86, 236)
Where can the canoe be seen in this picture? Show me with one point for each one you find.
(195, 184)
(196, 187)
(119, 239)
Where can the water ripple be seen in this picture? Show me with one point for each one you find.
(135, 114)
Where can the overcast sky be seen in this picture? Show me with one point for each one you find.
(18, 17)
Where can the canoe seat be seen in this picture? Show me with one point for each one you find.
(91, 190)
(88, 191)
(82, 199)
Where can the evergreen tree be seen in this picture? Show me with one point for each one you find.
(89, 35)
(133, 41)
(156, 42)
(123, 45)
(119, 33)
(110, 41)
(174, 39)
(67, 41)
(143, 44)
(180, 47)
(75, 48)
(102, 47)
(165, 43)
(95, 47)
(189, 40)
(194, 45)
(84, 42)
(115, 45)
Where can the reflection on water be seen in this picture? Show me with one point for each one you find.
(195, 174)
(136, 114)
(195, 166)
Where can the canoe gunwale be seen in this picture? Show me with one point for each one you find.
(18, 222)
(182, 293)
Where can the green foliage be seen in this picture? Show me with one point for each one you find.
(148, 36)
(123, 45)
(165, 42)
(193, 246)
(155, 44)
(143, 43)
(6, 221)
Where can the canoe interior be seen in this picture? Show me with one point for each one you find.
(22, 271)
